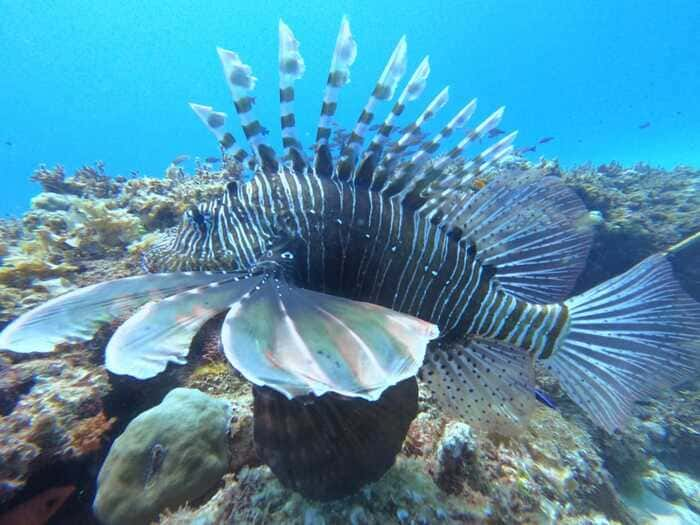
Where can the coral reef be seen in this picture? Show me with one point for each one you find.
(167, 456)
(644, 210)
(50, 411)
(457, 457)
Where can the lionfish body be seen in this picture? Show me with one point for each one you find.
(334, 237)
(347, 276)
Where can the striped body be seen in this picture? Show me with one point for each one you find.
(350, 241)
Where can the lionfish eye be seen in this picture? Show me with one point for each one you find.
(197, 218)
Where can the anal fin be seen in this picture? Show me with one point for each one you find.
(488, 384)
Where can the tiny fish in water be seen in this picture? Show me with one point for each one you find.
(478, 184)
(543, 398)
(180, 159)
(495, 132)
(527, 149)
(344, 278)
(213, 160)
(644, 125)
(39, 509)
(8, 143)
(544, 140)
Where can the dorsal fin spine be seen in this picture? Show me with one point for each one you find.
(483, 128)
(394, 178)
(428, 113)
(431, 146)
(491, 154)
(458, 180)
(291, 68)
(215, 121)
(413, 89)
(241, 82)
(344, 55)
(383, 90)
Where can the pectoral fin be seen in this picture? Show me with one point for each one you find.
(77, 315)
(299, 342)
(161, 331)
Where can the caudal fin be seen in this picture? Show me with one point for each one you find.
(627, 338)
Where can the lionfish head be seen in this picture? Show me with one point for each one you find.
(216, 236)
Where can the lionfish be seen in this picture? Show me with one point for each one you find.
(345, 277)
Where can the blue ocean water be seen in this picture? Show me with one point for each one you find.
(86, 80)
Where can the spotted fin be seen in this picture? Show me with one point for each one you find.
(77, 315)
(344, 56)
(478, 132)
(160, 332)
(414, 89)
(414, 128)
(488, 384)
(411, 179)
(299, 342)
(627, 338)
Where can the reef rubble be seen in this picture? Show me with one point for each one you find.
(61, 408)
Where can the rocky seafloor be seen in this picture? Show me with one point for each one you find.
(61, 412)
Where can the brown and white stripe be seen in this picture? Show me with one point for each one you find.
(241, 82)
(383, 90)
(344, 55)
(291, 68)
(215, 121)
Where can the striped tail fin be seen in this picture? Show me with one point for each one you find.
(627, 338)
(291, 66)
(241, 82)
(383, 90)
(343, 57)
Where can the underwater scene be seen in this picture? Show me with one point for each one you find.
(349, 263)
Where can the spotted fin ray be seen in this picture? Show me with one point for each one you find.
(489, 384)
(215, 122)
(298, 342)
(77, 315)
(241, 82)
(291, 68)
(344, 56)
(383, 90)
